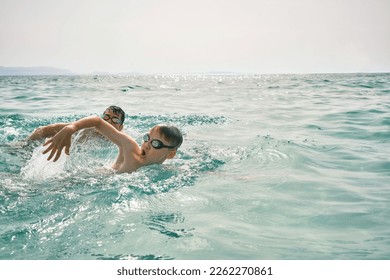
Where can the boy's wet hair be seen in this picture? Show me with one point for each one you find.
(118, 110)
(172, 134)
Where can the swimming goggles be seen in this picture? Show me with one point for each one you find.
(114, 119)
(157, 144)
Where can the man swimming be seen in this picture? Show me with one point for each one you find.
(160, 143)
(114, 115)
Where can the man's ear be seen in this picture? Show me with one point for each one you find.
(171, 154)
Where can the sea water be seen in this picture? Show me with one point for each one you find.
(272, 167)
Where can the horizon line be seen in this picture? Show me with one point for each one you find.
(67, 72)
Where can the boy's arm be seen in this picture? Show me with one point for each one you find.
(63, 138)
(46, 131)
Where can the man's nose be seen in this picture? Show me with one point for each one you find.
(110, 121)
(147, 145)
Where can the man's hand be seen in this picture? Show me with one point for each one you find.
(37, 134)
(46, 131)
(61, 140)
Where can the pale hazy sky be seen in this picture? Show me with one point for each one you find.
(256, 36)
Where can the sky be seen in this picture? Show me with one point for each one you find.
(192, 36)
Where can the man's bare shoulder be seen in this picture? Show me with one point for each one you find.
(129, 142)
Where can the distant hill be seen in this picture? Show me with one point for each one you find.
(32, 71)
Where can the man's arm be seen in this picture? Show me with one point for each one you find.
(63, 138)
(46, 131)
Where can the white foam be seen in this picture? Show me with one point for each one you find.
(39, 168)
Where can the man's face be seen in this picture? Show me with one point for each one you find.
(113, 119)
(152, 154)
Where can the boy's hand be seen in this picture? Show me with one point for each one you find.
(61, 140)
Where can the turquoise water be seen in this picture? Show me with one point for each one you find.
(272, 167)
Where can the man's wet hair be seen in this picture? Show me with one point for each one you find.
(172, 134)
(118, 110)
